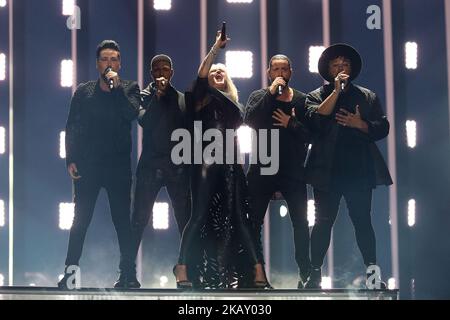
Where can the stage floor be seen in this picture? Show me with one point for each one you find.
(42, 293)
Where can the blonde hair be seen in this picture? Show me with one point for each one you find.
(230, 88)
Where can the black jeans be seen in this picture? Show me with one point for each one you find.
(359, 206)
(149, 182)
(117, 182)
(261, 190)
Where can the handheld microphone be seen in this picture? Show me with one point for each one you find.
(342, 85)
(280, 90)
(110, 82)
(223, 33)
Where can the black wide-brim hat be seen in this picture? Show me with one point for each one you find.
(339, 50)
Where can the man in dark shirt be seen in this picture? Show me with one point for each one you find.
(346, 120)
(162, 112)
(282, 108)
(98, 148)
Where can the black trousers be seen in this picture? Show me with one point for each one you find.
(261, 190)
(327, 206)
(204, 181)
(117, 182)
(149, 182)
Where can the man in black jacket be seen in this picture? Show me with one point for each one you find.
(162, 112)
(346, 120)
(98, 148)
(282, 108)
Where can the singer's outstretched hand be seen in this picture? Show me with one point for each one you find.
(279, 81)
(219, 42)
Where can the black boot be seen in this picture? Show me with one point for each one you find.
(314, 280)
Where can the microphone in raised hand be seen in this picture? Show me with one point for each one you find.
(109, 82)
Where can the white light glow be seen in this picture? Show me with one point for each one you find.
(239, 64)
(2, 280)
(66, 215)
(62, 144)
(391, 283)
(411, 133)
(2, 67)
(161, 216)
(2, 213)
(162, 4)
(326, 283)
(244, 134)
(411, 212)
(311, 213)
(314, 54)
(3, 3)
(283, 211)
(68, 7)
(411, 55)
(163, 281)
(239, 1)
(2, 140)
(66, 73)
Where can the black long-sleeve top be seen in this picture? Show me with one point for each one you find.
(292, 140)
(342, 157)
(98, 129)
(159, 118)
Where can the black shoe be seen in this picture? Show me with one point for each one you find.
(302, 279)
(127, 281)
(314, 280)
(181, 284)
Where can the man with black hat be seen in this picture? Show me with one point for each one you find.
(346, 120)
(161, 113)
(98, 148)
(281, 107)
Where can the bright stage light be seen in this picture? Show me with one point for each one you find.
(326, 283)
(66, 215)
(163, 280)
(411, 212)
(391, 283)
(239, 64)
(66, 73)
(314, 54)
(283, 211)
(2, 67)
(411, 55)
(2, 140)
(2, 280)
(2, 213)
(62, 144)
(161, 216)
(68, 7)
(411, 133)
(311, 213)
(3, 3)
(239, 1)
(244, 134)
(162, 4)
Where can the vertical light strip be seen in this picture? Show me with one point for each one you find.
(447, 37)
(326, 38)
(390, 111)
(264, 83)
(203, 29)
(74, 47)
(140, 73)
(11, 151)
